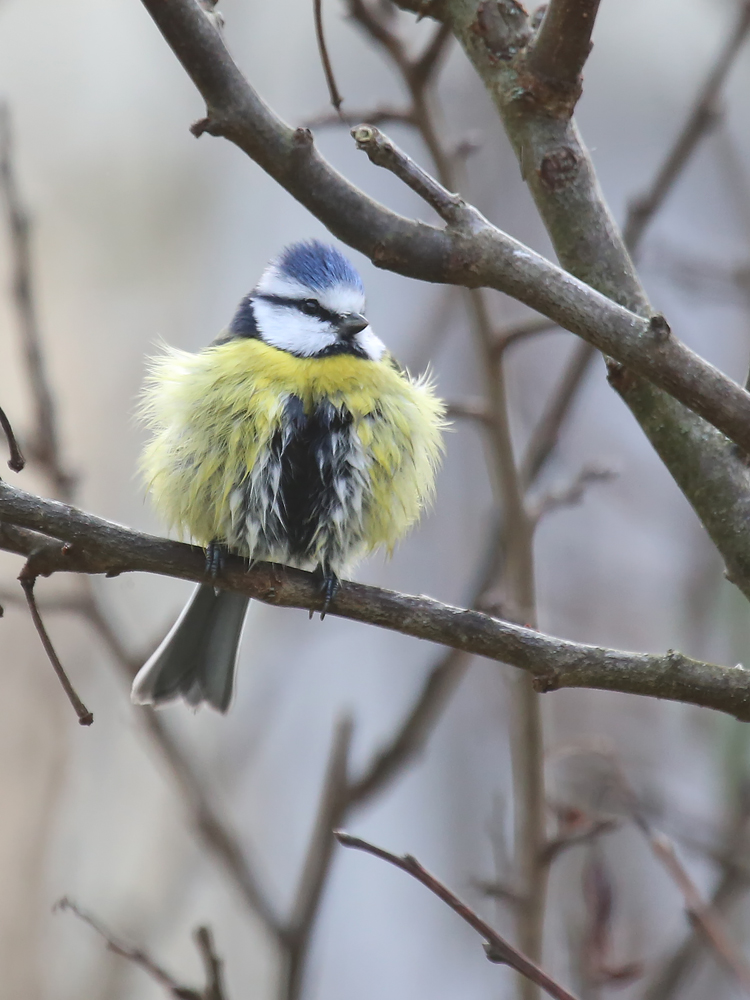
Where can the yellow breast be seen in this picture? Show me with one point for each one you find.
(214, 416)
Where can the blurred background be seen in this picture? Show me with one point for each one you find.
(141, 234)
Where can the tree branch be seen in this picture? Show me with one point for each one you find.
(497, 948)
(99, 546)
(484, 258)
(562, 43)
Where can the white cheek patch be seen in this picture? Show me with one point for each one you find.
(291, 330)
(373, 346)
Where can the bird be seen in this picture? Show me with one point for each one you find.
(293, 438)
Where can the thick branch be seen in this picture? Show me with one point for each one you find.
(563, 42)
(98, 546)
(485, 258)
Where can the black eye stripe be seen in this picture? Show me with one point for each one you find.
(304, 306)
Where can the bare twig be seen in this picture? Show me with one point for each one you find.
(85, 718)
(497, 948)
(16, 462)
(333, 90)
(213, 989)
(521, 331)
(412, 734)
(702, 913)
(572, 494)
(547, 432)
(385, 153)
(376, 116)
(591, 831)
(700, 120)
(43, 445)
(214, 831)
(331, 809)
(468, 409)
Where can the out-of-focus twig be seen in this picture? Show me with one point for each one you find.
(383, 115)
(214, 988)
(333, 90)
(573, 493)
(497, 948)
(701, 118)
(43, 443)
(85, 718)
(701, 912)
(331, 808)
(16, 462)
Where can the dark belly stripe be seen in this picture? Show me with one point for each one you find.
(313, 450)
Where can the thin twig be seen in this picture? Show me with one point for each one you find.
(573, 494)
(523, 330)
(468, 409)
(85, 718)
(138, 956)
(383, 152)
(333, 90)
(497, 948)
(701, 912)
(376, 116)
(16, 462)
(411, 736)
(214, 831)
(331, 808)
(703, 115)
(43, 444)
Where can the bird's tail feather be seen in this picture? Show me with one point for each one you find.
(197, 659)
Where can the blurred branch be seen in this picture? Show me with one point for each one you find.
(376, 116)
(16, 462)
(333, 803)
(701, 118)
(409, 739)
(214, 988)
(700, 912)
(333, 90)
(482, 256)
(43, 444)
(521, 331)
(572, 494)
(497, 948)
(215, 832)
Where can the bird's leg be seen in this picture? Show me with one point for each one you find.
(216, 556)
(329, 585)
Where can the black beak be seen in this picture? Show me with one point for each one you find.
(352, 324)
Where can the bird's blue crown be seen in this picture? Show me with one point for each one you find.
(318, 266)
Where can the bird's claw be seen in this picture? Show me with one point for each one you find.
(216, 557)
(330, 584)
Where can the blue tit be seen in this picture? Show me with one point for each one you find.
(293, 438)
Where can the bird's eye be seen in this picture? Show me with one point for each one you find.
(309, 306)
